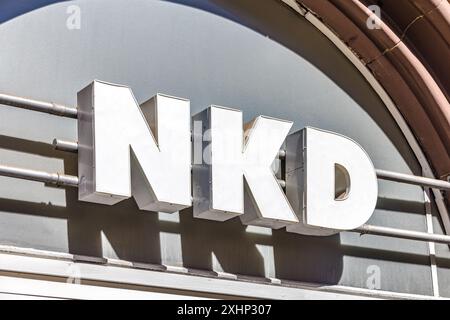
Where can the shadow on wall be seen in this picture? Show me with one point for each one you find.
(10, 9)
(138, 236)
(280, 25)
(144, 237)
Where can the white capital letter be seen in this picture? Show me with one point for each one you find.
(130, 150)
(233, 155)
(330, 182)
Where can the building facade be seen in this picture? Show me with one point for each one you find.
(334, 65)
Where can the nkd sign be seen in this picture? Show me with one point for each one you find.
(222, 167)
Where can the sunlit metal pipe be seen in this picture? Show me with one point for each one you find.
(401, 177)
(73, 181)
(403, 234)
(63, 145)
(410, 179)
(40, 106)
(40, 176)
(71, 146)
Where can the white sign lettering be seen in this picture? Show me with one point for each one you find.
(130, 150)
(330, 182)
(144, 151)
(236, 156)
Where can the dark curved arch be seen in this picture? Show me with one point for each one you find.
(10, 9)
(413, 75)
(397, 67)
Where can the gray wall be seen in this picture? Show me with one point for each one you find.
(167, 47)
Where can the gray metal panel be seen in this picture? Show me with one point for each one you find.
(442, 256)
(155, 47)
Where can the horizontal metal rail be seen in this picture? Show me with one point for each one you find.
(403, 234)
(381, 174)
(73, 181)
(68, 146)
(40, 106)
(40, 176)
(60, 110)
(411, 179)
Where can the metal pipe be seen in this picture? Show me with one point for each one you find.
(403, 234)
(63, 145)
(40, 106)
(401, 177)
(410, 179)
(73, 181)
(40, 176)
(71, 146)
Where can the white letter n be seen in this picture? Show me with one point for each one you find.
(130, 150)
